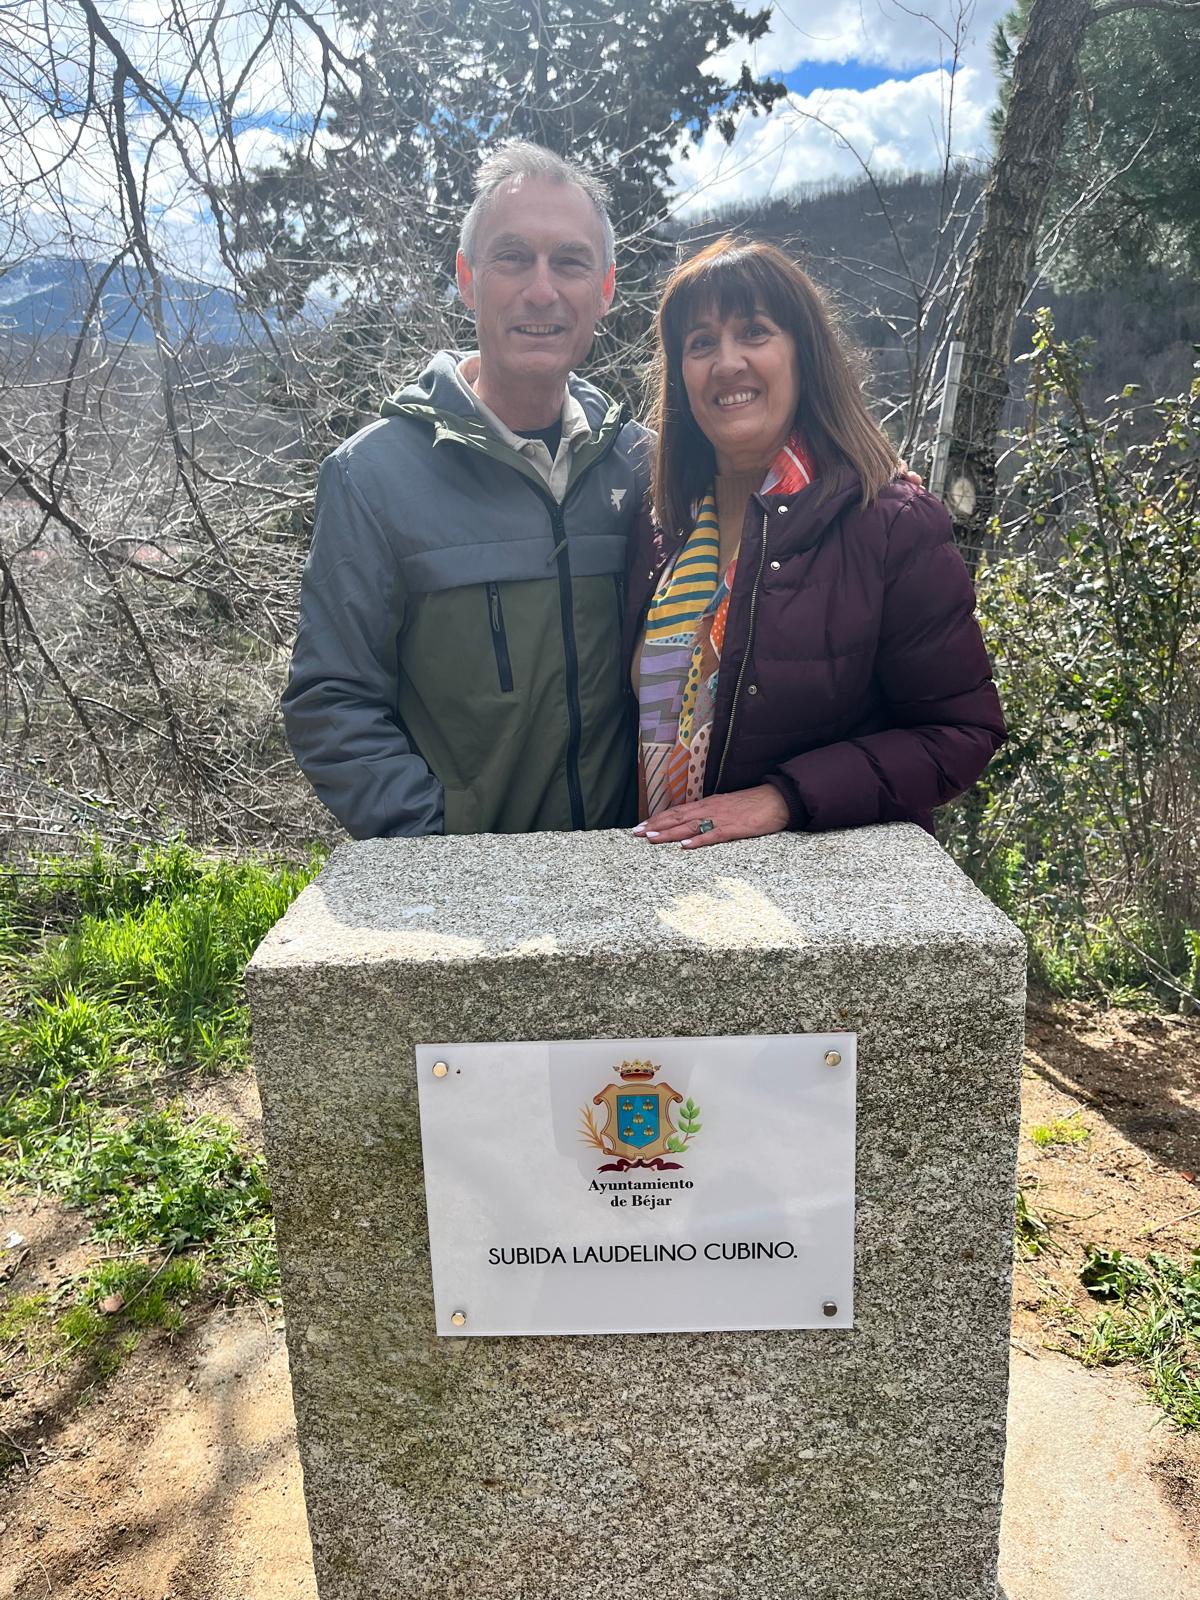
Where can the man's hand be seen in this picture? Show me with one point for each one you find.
(747, 814)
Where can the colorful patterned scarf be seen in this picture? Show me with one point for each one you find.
(681, 655)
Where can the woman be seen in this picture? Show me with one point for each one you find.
(801, 624)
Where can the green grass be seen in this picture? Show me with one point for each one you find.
(117, 1300)
(19, 1314)
(99, 1318)
(143, 959)
(1151, 1316)
(1154, 1321)
(1059, 1130)
(1034, 1236)
(120, 980)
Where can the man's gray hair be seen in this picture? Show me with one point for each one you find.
(519, 158)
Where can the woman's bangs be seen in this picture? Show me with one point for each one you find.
(728, 286)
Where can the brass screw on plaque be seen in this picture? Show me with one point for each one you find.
(830, 1308)
(440, 1069)
(833, 1058)
(459, 1319)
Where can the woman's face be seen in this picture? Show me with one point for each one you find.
(742, 384)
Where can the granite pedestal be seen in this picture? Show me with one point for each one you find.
(846, 1465)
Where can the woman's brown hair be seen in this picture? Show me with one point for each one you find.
(737, 278)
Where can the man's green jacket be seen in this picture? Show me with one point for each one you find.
(458, 665)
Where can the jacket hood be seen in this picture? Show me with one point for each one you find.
(438, 397)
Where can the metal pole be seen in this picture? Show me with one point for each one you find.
(941, 442)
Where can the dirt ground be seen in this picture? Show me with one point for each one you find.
(178, 1478)
(1133, 1081)
(1101, 1497)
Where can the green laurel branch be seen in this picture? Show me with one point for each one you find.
(689, 1126)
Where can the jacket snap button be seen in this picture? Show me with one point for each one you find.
(753, 689)
(774, 566)
(781, 509)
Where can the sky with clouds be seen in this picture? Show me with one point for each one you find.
(870, 82)
(58, 183)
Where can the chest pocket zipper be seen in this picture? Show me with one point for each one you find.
(500, 639)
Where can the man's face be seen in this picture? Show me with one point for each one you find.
(539, 283)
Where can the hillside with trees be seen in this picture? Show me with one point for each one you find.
(1123, 199)
(873, 245)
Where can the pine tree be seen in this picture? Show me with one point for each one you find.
(622, 85)
(1132, 148)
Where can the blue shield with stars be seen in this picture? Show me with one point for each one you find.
(638, 1118)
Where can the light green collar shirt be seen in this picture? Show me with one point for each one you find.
(556, 473)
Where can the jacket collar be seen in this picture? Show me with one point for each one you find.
(572, 417)
(437, 398)
(795, 522)
(438, 390)
(798, 521)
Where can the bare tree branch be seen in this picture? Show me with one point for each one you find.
(1114, 8)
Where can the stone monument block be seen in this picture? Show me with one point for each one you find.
(860, 1463)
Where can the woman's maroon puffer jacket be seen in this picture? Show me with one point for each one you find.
(853, 676)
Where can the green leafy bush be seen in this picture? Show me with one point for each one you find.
(1086, 828)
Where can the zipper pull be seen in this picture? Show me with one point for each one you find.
(494, 606)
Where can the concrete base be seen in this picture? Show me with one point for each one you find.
(708, 1467)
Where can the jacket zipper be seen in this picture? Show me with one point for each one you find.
(566, 606)
(737, 692)
(562, 560)
(500, 639)
(561, 556)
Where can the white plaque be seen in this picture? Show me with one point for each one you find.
(640, 1185)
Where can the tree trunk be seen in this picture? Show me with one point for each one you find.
(1043, 88)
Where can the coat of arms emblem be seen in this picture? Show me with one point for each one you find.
(638, 1127)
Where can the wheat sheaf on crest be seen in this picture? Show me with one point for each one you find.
(589, 1132)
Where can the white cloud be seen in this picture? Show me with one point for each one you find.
(899, 125)
(812, 136)
(882, 33)
(903, 123)
(59, 182)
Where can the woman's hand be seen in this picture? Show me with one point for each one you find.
(746, 814)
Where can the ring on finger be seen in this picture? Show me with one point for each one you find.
(705, 825)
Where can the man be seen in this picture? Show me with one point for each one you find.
(458, 665)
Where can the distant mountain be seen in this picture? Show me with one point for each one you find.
(48, 296)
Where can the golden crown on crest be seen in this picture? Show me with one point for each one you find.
(636, 1071)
